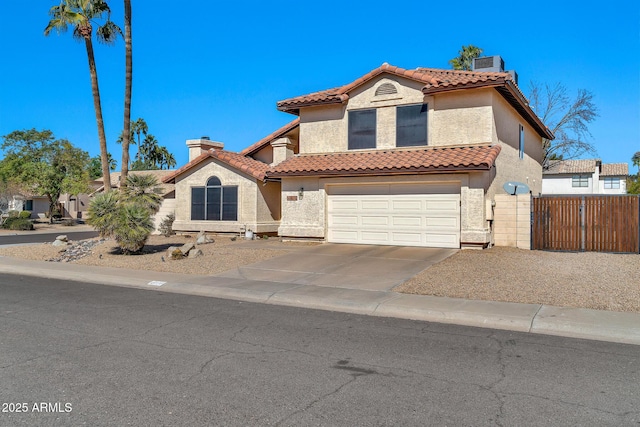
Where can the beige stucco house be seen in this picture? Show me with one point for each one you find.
(397, 157)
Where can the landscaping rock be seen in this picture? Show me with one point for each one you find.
(62, 237)
(60, 243)
(187, 247)
(202, 239)
(76, 250)
(195, 253)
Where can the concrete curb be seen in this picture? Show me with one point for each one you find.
(599, 325)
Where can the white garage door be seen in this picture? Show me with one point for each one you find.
(429, 220)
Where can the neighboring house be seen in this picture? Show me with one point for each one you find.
(396, 157)
(26, 202)
(585, 177)
(167, 191)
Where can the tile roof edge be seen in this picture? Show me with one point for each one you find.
(267, 139)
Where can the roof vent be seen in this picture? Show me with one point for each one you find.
(206, 138)
(386, 89)
(489, 63)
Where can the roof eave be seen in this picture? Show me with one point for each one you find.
(377, 172)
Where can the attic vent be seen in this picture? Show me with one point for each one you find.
(386, 89)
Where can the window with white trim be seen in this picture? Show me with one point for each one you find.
(580, 181)
(214, 201)
(611, 183)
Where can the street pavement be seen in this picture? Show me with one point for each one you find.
(106, 355)
(533, 318)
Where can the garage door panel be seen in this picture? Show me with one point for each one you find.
(407, 205)
(407, 221)
(395, 219)
(347, 205)
(375, 205)
(344, 220)
(375, 220)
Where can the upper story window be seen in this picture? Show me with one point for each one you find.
(521, 141)
(611, 183)
(362, 129)
(214, 202)
(411, 125)
(580, 181)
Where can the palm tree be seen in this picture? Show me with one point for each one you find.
(81, 15)
(465, 59)
(636, 160)
(126, 133)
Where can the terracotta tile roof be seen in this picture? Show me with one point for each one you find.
(435, 80)
(557, 167)
(267, 139)
(615, 169)
(248, 165)
(441, 159)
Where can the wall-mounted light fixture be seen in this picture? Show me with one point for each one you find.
(301, 193)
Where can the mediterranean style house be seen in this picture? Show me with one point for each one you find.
(396, 157)
(589, 176)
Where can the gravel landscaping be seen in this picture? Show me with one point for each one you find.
(587, 280)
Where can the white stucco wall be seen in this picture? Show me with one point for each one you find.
(562, 184)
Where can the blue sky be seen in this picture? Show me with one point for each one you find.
(218, 68)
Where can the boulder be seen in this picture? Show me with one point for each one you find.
(202, 239)
(60, 243)
(195, 253)
(187, 247)
(62, 237)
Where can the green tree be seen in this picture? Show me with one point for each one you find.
(42, 165)
(82, 15)
(635, 159)
(466, 55)
(633, 181)
(567, 118)
(152, 156)
(95, 166)
(126, 133)
(126, 215)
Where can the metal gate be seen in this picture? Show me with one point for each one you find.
(586, 223)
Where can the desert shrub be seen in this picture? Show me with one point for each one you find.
(166, 225)
(15, 223)
(24, 214)
(126, 215)
(13, 214)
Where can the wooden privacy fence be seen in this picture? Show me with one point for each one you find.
(586, 223)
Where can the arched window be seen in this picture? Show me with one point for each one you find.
(214, 201)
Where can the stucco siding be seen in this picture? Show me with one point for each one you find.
(461, 118)
(247, 198)
(509, 166)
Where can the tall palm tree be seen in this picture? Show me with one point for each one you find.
(126, 133)
(465, 58)
(81, 15)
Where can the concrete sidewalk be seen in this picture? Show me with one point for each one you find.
(533, 318)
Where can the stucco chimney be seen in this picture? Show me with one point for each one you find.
(282, 150)
(198, 146)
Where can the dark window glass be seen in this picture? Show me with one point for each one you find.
(28, 205)
(213, 181)
(362, 129)
(411, 125)
(197, 203)
(214, 201)
(229, 203)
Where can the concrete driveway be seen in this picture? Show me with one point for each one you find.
(367, 267)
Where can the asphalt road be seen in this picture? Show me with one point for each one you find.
(8, 239)
(100, 355)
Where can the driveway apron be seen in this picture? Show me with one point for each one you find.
(365, 267)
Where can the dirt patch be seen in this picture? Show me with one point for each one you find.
(586, 279)
(222, 255)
